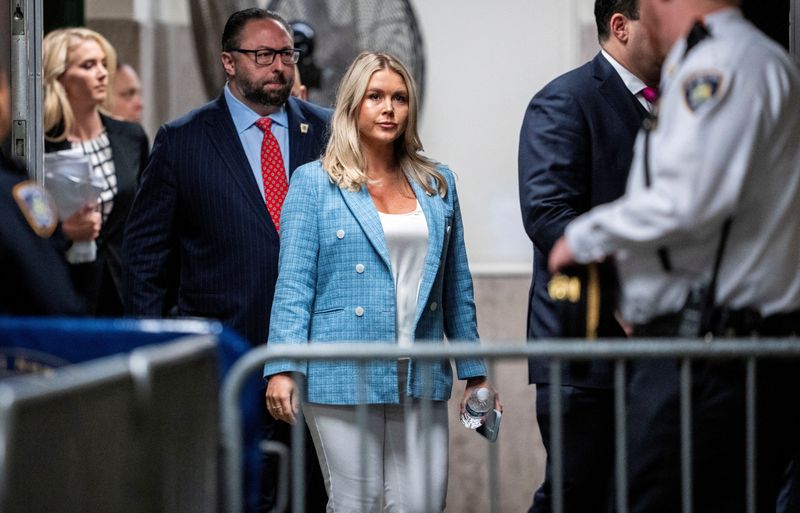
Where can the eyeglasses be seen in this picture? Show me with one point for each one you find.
(266, 56)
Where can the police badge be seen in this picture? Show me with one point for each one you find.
(699, 88)
(37, 207)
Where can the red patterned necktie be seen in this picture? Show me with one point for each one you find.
(272, 172)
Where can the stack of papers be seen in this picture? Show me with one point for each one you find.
(70, 179)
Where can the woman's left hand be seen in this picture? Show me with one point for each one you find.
(281, 397)
(474, 384)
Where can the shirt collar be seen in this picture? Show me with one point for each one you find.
(244, 117)
(631, 81)
(718, 18)
(716, 22)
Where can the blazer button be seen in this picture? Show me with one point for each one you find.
(434, 306)
(340, 234)
(359, 311)
(359, 268)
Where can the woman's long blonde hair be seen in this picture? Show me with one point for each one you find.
(343, 159)
(57, 45)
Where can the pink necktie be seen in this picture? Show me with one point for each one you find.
(650, 94)
(272, 173)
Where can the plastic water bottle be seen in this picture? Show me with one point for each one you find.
(478, 405)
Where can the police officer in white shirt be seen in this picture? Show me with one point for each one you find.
(712, 205)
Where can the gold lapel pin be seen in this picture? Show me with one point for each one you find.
(303, 128)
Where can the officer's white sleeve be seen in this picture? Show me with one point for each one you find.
(699, 159)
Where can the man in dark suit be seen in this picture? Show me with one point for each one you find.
(203, 225)
(575, 149)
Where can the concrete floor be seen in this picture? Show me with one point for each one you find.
(502, 309)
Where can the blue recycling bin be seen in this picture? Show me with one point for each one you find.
(30, 344)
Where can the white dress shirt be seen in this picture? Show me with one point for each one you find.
(251, 137)
(631, 81)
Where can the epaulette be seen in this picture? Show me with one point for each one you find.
(698, 33)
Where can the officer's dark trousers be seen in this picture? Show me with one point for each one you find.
(789, 496)
(588, 448)
(718, 434)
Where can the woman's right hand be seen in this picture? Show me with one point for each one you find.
(281, 397)
(83, 225)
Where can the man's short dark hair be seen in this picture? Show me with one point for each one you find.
(605, 9)
(237, 21)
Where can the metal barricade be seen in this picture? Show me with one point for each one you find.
(558, 352)
(125, 433)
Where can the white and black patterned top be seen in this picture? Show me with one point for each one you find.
(99, 152)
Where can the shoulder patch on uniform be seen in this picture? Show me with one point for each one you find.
(37, 207)
(700, 88)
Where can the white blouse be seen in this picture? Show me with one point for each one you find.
(407, 239)
(98, 150)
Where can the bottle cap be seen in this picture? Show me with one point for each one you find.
(482, 394)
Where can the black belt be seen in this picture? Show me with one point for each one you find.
(727, 322)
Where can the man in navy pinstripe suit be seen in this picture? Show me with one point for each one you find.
(199, 230)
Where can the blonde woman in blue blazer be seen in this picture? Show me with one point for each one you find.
(372, 250)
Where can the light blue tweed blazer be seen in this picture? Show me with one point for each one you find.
(320, 297)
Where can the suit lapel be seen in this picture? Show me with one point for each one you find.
(225, 139)
(124, 169)
(301, 132)
(363, 209)
(432, 207)
(123, 155)
(613, 89)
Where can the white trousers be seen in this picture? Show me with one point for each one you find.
(404, 462)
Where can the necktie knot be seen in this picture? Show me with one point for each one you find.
(650, 94)
(264, 124)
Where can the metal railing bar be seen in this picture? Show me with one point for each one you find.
(408, 405)
(555, 451)
(494, 481)
(574, 349)
(750, 435)
(426, 411)
(621, 436)
(281, 452)
(686, 434)
(362, 419)
(299, 455)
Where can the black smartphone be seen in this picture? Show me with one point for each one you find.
(491, 425)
